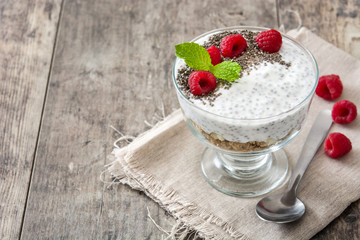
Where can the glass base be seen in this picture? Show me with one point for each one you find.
(245, 176)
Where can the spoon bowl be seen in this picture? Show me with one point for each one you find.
(273, 209)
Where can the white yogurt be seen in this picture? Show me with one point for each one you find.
(266, 105)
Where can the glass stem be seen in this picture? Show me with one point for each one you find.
(245, 166)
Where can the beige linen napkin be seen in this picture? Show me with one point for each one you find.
(165, 163)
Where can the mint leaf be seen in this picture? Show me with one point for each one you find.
(198, 58)
(194, 55)
(226, 70)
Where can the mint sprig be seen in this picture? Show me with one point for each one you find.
(198, 58)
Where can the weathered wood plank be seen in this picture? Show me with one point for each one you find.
(112, 67)
(27, 36)
(337, 22)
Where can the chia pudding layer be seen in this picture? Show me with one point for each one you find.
(267, 104)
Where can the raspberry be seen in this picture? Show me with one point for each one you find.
(269, 41)
(232, 46)
(329, 87)
(201, 82)
(337, 145)
(214, 55)
(344, 112)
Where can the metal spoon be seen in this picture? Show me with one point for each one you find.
(286, 207)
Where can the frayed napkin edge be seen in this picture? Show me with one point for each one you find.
(197, 220)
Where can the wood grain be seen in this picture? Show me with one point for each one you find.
(112, 66)
(27, 36)
(338, 22)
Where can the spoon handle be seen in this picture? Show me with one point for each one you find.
(313, 141)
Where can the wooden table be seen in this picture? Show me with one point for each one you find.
(71, 69)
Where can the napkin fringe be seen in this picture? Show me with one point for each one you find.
(128, 172)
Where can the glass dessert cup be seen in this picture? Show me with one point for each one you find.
(245, 168)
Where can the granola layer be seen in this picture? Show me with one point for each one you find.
(250, 146)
